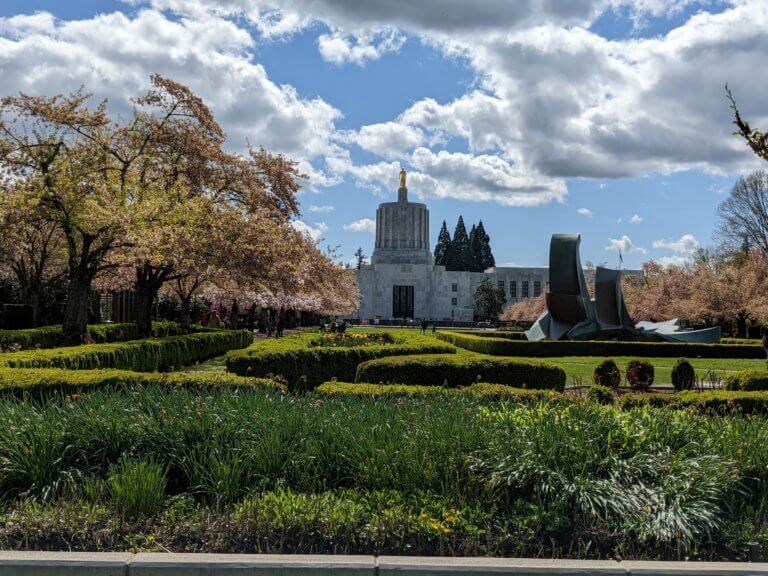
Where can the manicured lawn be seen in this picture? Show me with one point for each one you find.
(582, 367)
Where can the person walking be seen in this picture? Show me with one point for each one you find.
(280, 326)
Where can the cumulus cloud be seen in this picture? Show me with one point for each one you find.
(675, 260)
(585, 212)
(341, 49)
(635, 219)
(552, 99)
(686, 244)
(114, 54)
(388, 139)
(362, 225)
(624, 245)
(314, 232)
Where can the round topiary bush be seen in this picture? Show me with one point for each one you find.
(683, 375)
(640, 374)
(600, 394)
(607, 374)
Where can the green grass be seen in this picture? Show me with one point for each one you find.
(538, 478)
(584, 366)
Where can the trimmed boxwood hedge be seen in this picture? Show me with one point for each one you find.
(51, 336)
(542, 349)
(747, 380)
(712, 402)
(454, 371)
(496, 392)
(40, 380)
(305, 367)
(139, 355)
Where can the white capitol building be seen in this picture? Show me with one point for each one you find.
(402, 280)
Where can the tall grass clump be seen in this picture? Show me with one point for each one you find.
(137, 488)
(645, 475)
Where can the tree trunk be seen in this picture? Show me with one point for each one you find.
(145, 299)
(75, 326)
(186, 314)
(741, 323)
(149, 280)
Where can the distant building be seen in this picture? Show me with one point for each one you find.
(402, 280)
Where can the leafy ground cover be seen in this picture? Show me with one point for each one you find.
(255, 470)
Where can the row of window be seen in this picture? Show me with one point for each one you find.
(524, 292)
(525, 288)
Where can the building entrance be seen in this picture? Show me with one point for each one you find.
(402, 301)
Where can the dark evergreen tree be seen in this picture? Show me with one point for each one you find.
(443, 245)
(475, 249)
(489, 301)
(459, 256)
(486, 255)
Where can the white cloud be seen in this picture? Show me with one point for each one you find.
(624, 245)
(339, 48)
(675, 260)
(552, 100)
(113, 55)
(686, 244)
(635, 219)
(362, 225)
(388, 139)
(484, 177)
(585, 212)
(314, 232)
(324, 209)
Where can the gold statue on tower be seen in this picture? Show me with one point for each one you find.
(402, 178)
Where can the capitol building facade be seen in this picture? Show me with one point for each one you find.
(403, 282)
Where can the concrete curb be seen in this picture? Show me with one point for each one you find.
(125, 564)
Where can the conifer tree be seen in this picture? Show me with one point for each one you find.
(459, 257)
(475, 250)
(443, 245)
(486, 254)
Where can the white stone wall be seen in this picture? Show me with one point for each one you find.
(434, 295)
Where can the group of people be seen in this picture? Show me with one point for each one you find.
(275, 327)
(334, 327)
(424, 325)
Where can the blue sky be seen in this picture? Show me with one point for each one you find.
(607, 117)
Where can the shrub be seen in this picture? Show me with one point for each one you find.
(139, 355)
(640, 374)
(38, 381)
(607, 374)
(454, 371)
(137, 488)
(51, 336)
(305, 367)
(746, 380)
(545, 348)
(683, 375)
(600, 394)
(715, 402)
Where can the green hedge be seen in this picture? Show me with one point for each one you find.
(51, 336)
(506, 335)
(499, 392)
(306, 367)
(139, 355)
(712, 402)
(454, 371)
(747, 380)
(37, 380)
(506, 347)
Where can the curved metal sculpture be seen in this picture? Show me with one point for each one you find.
(572, 314)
